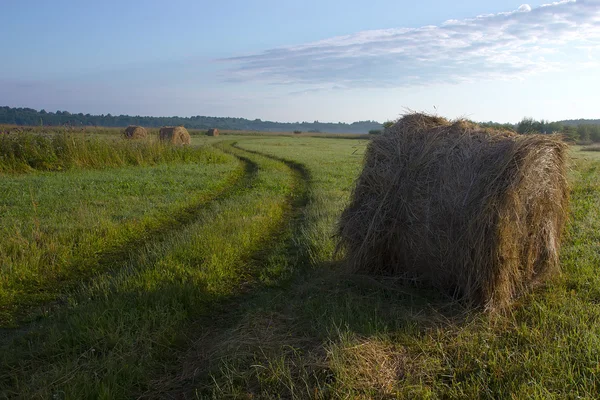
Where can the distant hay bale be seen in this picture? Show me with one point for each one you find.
(174, 135)
(475, 212)
(213, 132)
(593, 147)
(135, 132)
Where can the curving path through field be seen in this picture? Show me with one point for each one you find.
(326, 335)
(110, 332)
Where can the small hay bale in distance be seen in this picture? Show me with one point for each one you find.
(472, 211)
(174, 135)
(135, 132)
(213, 132)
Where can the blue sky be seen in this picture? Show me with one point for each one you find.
(311, 60)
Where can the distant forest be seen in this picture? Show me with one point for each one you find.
(581, 129)
(31, 117)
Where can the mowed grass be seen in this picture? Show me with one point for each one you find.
(249, 300)
(333, 164)
(57, 227)
(120, 326)
(340, 336)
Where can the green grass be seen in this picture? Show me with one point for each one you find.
(58, 227)
(247, 300)
(333, 165)
(355, 337)
(26, 152)
(585, 153)
(123, 324)
(593, 147)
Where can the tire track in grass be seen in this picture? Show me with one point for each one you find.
(291, 220)
(300, 169)
(38, 306)
(380, 342)
(120, 327)
(277, 264)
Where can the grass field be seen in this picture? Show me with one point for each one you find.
(217, 277)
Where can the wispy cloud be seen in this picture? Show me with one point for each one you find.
(495, 46)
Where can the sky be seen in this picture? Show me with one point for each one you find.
(325, 60)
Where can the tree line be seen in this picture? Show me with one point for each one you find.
(580, 130)
(31, 117)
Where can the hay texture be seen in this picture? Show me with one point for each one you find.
(135, 132)
(174, 135)
(475, 212)
(213, 132)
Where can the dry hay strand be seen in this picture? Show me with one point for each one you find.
(475, 212)
(135, 132)
(174, 135)
(213, 132)
(369, 367)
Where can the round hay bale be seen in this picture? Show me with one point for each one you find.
(475, 212)
(135, 132)
(213, 132)
(174, 135)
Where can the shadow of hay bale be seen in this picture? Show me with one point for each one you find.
(475, 212)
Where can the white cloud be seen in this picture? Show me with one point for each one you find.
(498, 46)
(524, 8)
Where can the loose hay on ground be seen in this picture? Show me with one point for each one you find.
(472, 211)
(174, 135)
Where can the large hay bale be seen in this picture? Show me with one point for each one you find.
(174, 135)
(213, 132)
(473, 211)
(135, 132)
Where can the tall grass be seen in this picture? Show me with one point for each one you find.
(26, 152)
